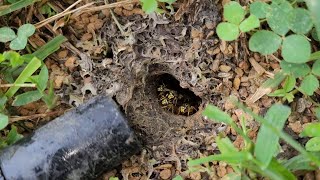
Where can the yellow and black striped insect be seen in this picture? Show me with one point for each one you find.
(174, 102)
(186, 109)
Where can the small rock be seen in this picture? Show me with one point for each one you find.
(225, 68)
(70, 63)
(296, 127)
(236, 83)
(63, 54)
(215, 65)
(228, 105)
(195, 176)
(29, 125)
(165, 174)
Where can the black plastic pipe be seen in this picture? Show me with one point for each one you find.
(81, 144)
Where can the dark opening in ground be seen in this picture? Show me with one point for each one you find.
(175, 99)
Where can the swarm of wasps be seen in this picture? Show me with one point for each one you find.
(174, 102)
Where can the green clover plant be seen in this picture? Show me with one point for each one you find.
(19, 40)
(289, 25)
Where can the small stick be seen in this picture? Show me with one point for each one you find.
(17, 85)
(21, 118)
(82, 9)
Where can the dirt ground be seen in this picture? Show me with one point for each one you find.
(128, 55)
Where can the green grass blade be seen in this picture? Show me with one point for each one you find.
(276, 116)
(50, 47)
(214, 113)
(225, 145)
(275, 170)
(32, 66)
(279, 133)
(300, 162)
(16, 6)
(233, 158)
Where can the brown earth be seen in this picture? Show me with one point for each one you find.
(128, 55)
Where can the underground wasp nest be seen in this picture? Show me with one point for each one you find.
(175, 99)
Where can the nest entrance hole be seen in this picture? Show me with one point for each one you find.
(173, 98)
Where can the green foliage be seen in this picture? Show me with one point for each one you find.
(23, 69)
(309, 85)
(46, 9)
(150, 6)
(281, 17)
(7, 34)
(264, 42)
(300, 21)
(250, 23)
(313, 144)
(297, 70)
(4, 120)
(311, 130)
(278, 17)
(16, 6)
(259, 9)
(260, 157)
(233, 12)
(228, 31)
(113, 178)
(286, 91)
(296, 49)
(277, 116)
(20, 40)
(177, 178)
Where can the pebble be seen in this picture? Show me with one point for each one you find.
(165, 174)
(225, 68)
(195, 176)
(63, 54)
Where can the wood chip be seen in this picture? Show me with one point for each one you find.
(260, 70)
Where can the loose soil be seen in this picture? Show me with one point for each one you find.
(128, 56)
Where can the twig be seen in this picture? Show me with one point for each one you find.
(57, 16)
(17, 85)
(21, 118)
(115, 19)
(108, 6)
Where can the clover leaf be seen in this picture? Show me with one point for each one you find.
(149, 6)
(296, 49)
(297, 70)
(233, 12)
(259, 9)
(316, 68)
(278, 17)
(228, 31)
(19, 43)
(309, 84)
(7, 34)
(249, 24)
(26, 30)
(264, 42)
(300, 21)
